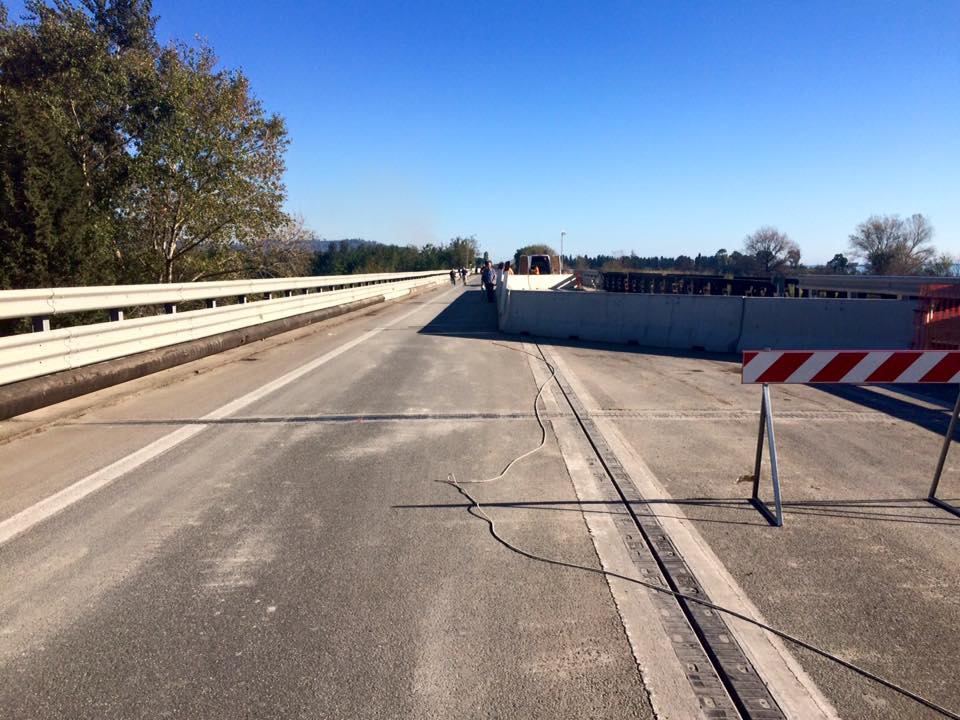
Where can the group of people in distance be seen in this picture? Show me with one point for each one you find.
(491, 276)
(462, 272)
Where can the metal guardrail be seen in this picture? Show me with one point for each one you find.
(46, 302)
(30, 355)
(900, 285)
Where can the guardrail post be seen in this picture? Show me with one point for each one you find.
(41, 323)
(288, 293)
(116, 315)
(170, 308)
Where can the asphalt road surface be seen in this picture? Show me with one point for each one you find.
(296, 559)
(266, 534)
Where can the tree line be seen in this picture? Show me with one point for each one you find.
(880, 245)
(358, 256)
(126, 161)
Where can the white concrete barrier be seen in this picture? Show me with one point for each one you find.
(706, 322)
(825, 324)
(537, 282)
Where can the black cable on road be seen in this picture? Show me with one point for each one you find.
(476, 509)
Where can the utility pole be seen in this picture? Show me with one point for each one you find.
(563, 234)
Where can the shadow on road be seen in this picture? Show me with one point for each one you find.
(904, 406)
(905, 510)
(469, 316)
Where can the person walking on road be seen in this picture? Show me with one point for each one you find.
(489, 280)
(453, 276)
(463, 275)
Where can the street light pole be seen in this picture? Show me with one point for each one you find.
(563, 234)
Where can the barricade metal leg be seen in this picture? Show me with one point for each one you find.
(947, 440)
(766, 424)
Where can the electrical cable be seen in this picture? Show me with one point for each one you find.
(476, 509)
(536, 412)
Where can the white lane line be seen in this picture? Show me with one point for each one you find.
(793, 688)
(661, 673)
(37, 513)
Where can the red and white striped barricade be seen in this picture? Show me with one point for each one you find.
(843, 367)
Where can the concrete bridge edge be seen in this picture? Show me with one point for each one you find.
(36, 393)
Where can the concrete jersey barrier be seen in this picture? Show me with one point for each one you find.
(827, 323)
(716, 323)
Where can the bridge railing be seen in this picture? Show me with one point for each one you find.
(44, 302)
(30, 355)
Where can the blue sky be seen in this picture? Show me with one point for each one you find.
(658, 128)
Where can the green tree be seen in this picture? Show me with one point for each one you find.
(208, 179)
(463, 251)
(121, 160)
(839, 265)
(943, 265)
(532, 250)
(75, 94)
(360, 256)
(793, 257)
(740, 264)
(721, 260)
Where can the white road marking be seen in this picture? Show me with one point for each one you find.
(50, 506)
(661, 672)
(789, 683)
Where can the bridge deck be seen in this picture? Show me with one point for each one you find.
(292, 555)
